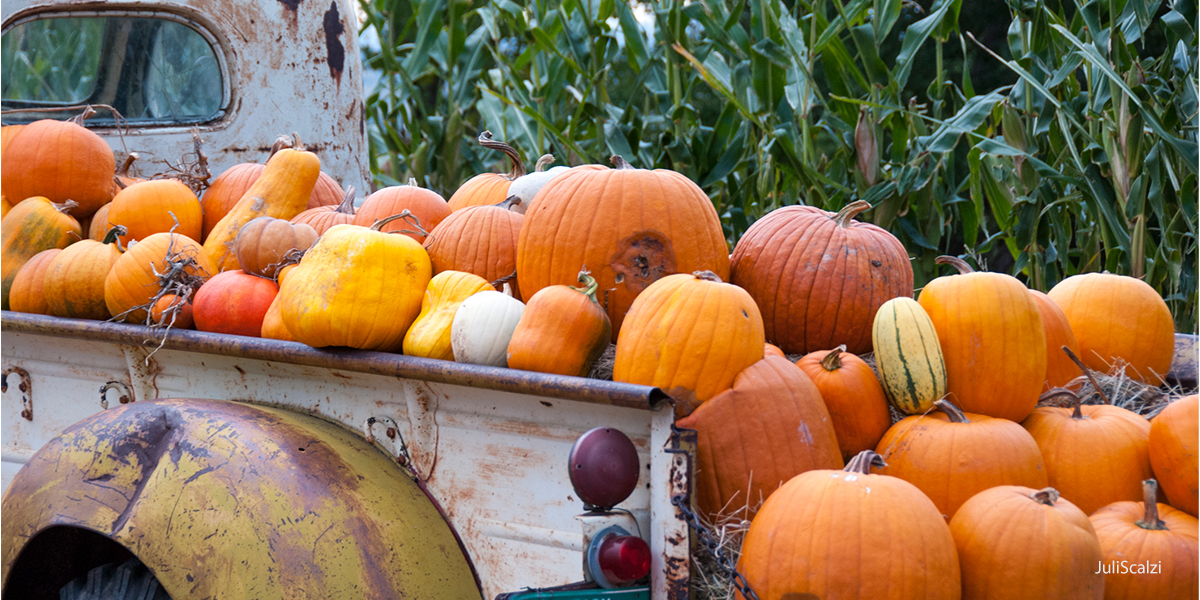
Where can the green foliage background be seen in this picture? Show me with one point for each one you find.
(1063, 141)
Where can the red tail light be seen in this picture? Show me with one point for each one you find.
(623, 559)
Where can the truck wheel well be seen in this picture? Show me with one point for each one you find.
(55, 556)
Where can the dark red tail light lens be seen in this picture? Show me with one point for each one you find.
(624, 559)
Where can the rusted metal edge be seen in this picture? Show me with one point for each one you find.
(595, 391)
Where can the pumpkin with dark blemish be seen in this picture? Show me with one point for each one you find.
(629, 227)
(820, 277)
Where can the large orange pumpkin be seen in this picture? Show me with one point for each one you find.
(156, 206)
(480, 240)
(137, 277)
(850, 534)
(563, 330)
(752, 438)
(1150, 549)
(31, 226)
(75, 279)
(233, 302)
(426, 206)
(1118, 319)
(1016, 543)
(229, 187)
(1060, 369)
(852, 393)
(629, 227)
(819, 277)
(488, 189)
(951, 455)
(1095, 454)
(689, 335)
(28, 294)
(992, 340)
(1173, 452)
(61, 161)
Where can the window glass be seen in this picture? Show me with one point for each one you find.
(152, 70)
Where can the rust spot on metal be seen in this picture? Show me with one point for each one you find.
(291, 5)
(25, 387)
(333, 45)
(544, 403)
(391, 433)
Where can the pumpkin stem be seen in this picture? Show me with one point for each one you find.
(508, 202)
(844, 216)
(955, 413)
(1087, 373)
(298, 145)
(543, 162)
(65, 207)
(404, 214)
(413, 182)
(124, 170)
(114, 236)
(280, 143)
(707, 276)
(120, 184)
(589, 285)
(503, 281)
(833, 360)
(1150, 499)
(619, 162)
(88, 112)
(347, 205)
(1047, 496)
(864, 461)
(1076, 403)
(956, 262)
(518, 169)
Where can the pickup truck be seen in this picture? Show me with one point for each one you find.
(443, 479)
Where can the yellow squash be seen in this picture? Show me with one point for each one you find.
(282, 192)
(356, 287)
(429, 335)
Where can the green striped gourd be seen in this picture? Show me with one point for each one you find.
(908, 355)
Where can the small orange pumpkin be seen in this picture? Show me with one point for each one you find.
(1173, 452)
(426, 206)
(174, 312)
(563, 330)
(488, 189)
(138, 276)
(98, 225)
(1059, 368)
(157, 206)
(322, 218)
(773, 350)
(1150, 550)
(480, 240)
(273, 327)
(263, 243)
(852, 393)
(75, 278)
(28, 293)
(233, 302)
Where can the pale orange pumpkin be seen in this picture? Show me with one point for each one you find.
(134, 280)
(28, 293)
(1150, 550)
(264, 243)
(156, 206)
(1059, 367)
(98, 225)
(61, 161)
(427, 208)
(1173, 452)
(322, 218)
(563, 330)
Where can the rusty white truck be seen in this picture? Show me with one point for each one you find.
(213, 466)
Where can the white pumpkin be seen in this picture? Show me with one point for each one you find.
(482, 327)
(526, 186)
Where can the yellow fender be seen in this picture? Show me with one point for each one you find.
(230, 500)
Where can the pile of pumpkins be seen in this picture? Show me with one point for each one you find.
(978, 493)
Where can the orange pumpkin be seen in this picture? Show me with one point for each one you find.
(62, 161)
(7, 133)
(773, 350)
(123, 178)
(820, 277)
(135, 280)
(233, 302)
(689, 335)
(1173, 452)
(263, 244)
(174, 312)
(563, 330)
(951, 455)
(426, 206)
(1095, 454)
(75, 278)
(28, 294)
(850, 534)
(229, 187)
(34, 225)
(480, 240)
(1150, 550)
(769, 427)
(980, 318)
(157, 206)
(852, 393)
(1016, 543)
(322, 218)
(488, 189)
(1118, 320)
(1059, 368)
(629, 227)
(98, 225)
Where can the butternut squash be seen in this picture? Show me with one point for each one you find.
(282, 192)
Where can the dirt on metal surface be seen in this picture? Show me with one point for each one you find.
(223, 499)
